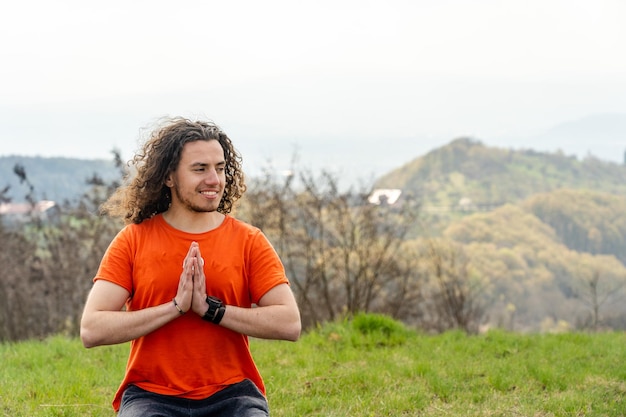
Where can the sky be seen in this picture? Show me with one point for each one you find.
(346, 85)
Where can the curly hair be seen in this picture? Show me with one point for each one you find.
(145, 194)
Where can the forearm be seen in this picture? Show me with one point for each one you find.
(113, 327)
(278, 322)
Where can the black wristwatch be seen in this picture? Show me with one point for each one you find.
(216, 310)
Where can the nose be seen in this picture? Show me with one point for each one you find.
(212, 177)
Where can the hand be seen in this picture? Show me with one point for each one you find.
(185, 293)
(198, 303)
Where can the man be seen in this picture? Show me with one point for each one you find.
(187, 283)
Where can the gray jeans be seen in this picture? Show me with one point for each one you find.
(241, 400)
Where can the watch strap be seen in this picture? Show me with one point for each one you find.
(216, 310)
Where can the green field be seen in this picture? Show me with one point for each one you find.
(371, 366)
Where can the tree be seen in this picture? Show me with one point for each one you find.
(343, 255)
(18, 278)
(48, 262)
(455, 298)
(19, 273)
(597, 287)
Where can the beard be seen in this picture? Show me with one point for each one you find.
(187, 201)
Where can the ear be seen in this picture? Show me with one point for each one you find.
(169, 182)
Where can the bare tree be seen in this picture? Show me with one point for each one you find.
(596, 291)
(455, 297)
(18, 276)
(19, 272)
(341, 253)
(48, 262)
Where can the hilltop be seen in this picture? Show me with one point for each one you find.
(486, 177)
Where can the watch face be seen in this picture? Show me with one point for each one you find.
(210, 299)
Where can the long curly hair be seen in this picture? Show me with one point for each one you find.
(145, 193)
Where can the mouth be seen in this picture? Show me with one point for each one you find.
(210, 194)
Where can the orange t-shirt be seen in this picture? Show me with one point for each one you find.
(189, 357)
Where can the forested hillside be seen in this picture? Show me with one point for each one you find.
(531, 278)
(543, 234)
(584, 220)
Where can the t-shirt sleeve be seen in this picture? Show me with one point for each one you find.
(116, 265)
(265, 268)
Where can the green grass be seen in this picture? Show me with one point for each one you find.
(371, 366)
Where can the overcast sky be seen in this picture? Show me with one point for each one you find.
(79, 78)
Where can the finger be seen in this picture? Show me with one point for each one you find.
(191, 253)
(198, 273)
(199, 287)
(200, 261)
(199, 255)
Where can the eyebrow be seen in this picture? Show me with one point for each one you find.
(204, 164)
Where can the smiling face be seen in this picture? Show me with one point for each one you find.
(198, 183)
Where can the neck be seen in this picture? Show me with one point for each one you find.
(193, 222)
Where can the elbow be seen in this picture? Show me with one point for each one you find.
(293, 331)
(288, 330)
(293, 337)
(88, 341)
(88, 337)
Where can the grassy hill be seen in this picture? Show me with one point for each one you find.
(370, 366)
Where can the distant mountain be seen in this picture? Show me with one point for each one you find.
(601, 135)
(57, 179)
(468, 172)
